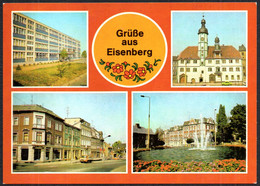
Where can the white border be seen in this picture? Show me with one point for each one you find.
(208, 86)
(87, 48)
(68, 92)
(184, 92)
(135, 13)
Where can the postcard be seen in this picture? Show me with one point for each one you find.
(138, 93)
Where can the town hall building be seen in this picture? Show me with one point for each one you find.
(208, 64)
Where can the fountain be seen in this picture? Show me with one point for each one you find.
(204, 138)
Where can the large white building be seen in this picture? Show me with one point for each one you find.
(209, 64)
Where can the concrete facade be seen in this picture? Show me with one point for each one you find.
(37, 42)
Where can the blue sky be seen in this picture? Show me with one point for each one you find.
(230, 27)
(73, 24)
(169, 109)
(105, 111)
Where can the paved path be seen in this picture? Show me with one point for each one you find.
(76, 166)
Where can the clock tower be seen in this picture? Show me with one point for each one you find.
(203, 42)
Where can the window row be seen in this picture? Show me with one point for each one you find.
(41, 36)
(19, 19)
(223, 61)
(18, 55)
(18, 30)
(224, 69)
(41, 45)
(18, 42)
(40, 27)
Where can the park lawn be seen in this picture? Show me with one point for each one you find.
(49, 76)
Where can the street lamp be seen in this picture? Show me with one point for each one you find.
(148, 133)
(215, 126)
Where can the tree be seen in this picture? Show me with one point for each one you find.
(238, 121)
(158, 140)
(84, 54)
(222, 122)
(62, 69)
(190, 140)
(63, 54)
(118, 147)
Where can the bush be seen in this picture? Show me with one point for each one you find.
(18, 67)
(24, 65)
(190, 140)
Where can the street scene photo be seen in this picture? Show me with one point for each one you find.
(69, 132)
(49, 48)
(189, 132)
(207, 51)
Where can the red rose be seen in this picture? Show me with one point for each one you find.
(107, 64)
(129, 74)
(150, 66)
(141, 71)
(117, 68)
(125, 62)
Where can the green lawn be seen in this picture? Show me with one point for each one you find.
(48, 75)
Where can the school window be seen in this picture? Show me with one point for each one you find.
(223, 61)
(231, 61)
(38, 136)
(210, 69)
(15, 121)
(237, 61)
(226, 77)
(217, 62)
(238, 77)
(194, 69)
(195, 61)
(18, 55)
(209, 61)
(26, 121)
(182, 70)
(188, 70)
(237, 69)
(232, 77)
(49, 138)
(182, 62)
(15, 138)
(25, 136)
(224, 69)
(231, 69)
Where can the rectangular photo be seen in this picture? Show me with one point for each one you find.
(69, 132)
(49, 48)
(189, 132)
(209, 48)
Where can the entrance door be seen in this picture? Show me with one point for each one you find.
(193, 81)
(212, 78)
(24, 154)
(37, 154)
(182, 78)
(201, 79)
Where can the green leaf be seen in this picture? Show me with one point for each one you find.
(120, 77)
(135, 66)
(112, 74)
(155, 62)
(101, 62)
(111, 63)
(116, 78)
(108, 68)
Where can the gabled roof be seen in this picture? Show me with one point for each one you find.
(35, 108)
(191, 52)
(141, 130)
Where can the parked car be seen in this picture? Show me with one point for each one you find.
(227, 83)
(84, 159)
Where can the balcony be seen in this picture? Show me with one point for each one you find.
(19, 23)
(38, 126)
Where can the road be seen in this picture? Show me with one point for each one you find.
(67, 166)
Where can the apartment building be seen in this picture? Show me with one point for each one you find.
(41, 135)
(192, 129)
(34, 41)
